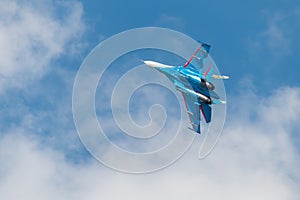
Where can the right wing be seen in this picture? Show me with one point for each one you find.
(197, 60)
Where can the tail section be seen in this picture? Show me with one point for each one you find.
(206, 112)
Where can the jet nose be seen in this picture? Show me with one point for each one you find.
(154, 64)
(150, 63)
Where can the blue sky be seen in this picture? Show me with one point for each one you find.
(257, 40)
(43, 45)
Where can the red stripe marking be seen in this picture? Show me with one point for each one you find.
(191, 58)
(201, 108)
(206, 73)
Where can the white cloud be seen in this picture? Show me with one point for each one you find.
(275, 36)
(32, 35)
(279, 34)
(255, 159)
(170, 21)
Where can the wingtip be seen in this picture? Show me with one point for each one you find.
(223, 102)
(220, 77)
(217, 101)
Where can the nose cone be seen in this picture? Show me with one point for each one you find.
(156, 64)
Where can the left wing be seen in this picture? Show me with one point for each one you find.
(193, 110)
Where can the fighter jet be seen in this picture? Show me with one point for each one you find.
(195, 86)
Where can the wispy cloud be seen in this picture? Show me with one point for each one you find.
(170, 21)
(255, 159)
(35, 88)
(278, 35)
(32, 35)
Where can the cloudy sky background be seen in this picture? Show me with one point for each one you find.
(42, 46)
